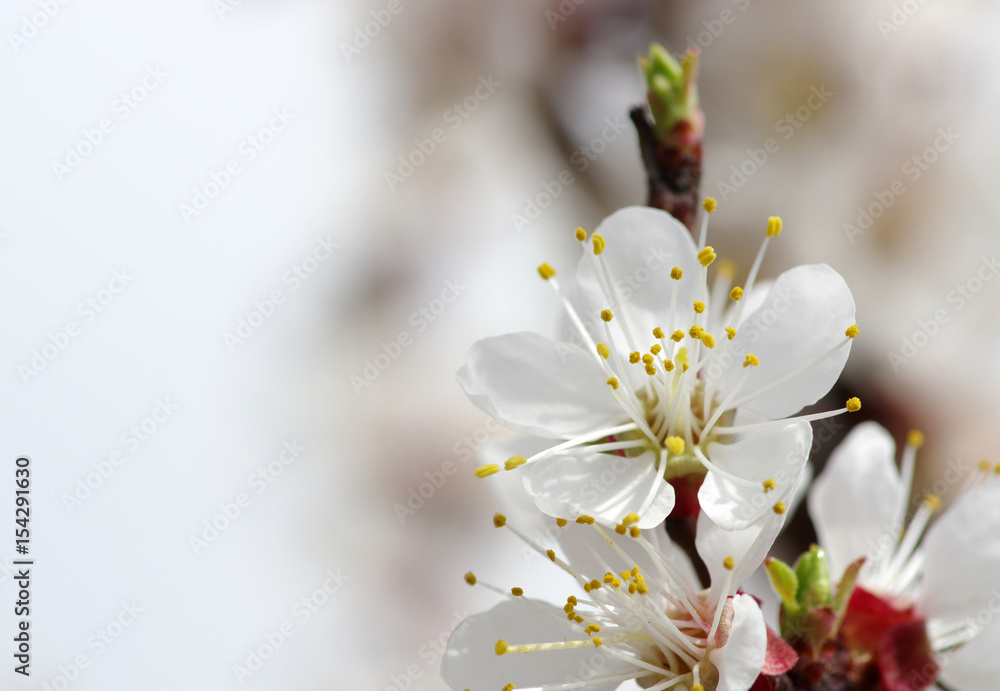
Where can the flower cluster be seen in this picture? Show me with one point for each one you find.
(674, 393)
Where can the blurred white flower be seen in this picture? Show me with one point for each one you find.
(667, 376)
(925, 604)
(641, 616)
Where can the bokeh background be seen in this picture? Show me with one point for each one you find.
(244, 246)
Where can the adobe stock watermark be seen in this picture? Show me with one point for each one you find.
(454, 117)
(912, 170)
(957, 298)
(366, 33)
(246, 152)
(714, 27)
(304, 609)
(224, 7)
(292, 280)
(786, 126)
(421, 318)
(32, 24)
(230, 511)
(102, 638)
(901, 13)
(465, 450)
(92, 138)
(131, 440)
(581, 159)
(86, 312)
(430, 654)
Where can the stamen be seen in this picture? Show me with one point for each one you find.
(853, 405)
(736, 293)
(487, 470)
(514, 462)
(470, 578)
(499, 520)
(546, 271)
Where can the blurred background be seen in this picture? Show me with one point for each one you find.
(244, 246)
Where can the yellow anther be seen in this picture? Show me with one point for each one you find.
(597, 641)
(603, 350)
(517, 592)
(709, 204)
(648, 359)
(616, 583)
(997, 469)
(606, 315)
(598, 243)
(585, 520)
(736, 293)
(696, 331)
(612, 382)
(676, 273)
(751, 360)
(634, 357)
(514, 462)
(642, 588)
(675, 445)
(487, 470)
(651, 370)
(470, 578)
(595, 584)
(620, 529)
(572, 600)
(699, 306)
(915, 438)
(668, 365)
(627, 575)
(697, 687)
(499, 520)
(658, 333)
(677, 336)
(546, 271)
(561, 522)
(567, 608)
(635, 571)
(655, 349)
(706, 256)
(630, 518)
(501, 647)
(608, 577)
(769, 484)
(686, 366)
(853, 404)
(852, 331)
(551, 555)
(708, 339)
(578, 619)
(586, 589)
(631, 588)
(509, 687)
(634, 531)
(730, 333)
(729, 563)
(985, 465)
(773, 226)
(932, 502)
(591, 630)
(779, 508)
(581, 234)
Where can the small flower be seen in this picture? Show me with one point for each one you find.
(640, 616)
(668, 377)
(927, 600)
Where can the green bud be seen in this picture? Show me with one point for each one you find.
(814, 579)
(671, 90)
(785, 583)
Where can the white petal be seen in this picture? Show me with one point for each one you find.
(777, 453)
(602, 485)
(643, 245)
(747, 547)
(471, 662)
(535, 385)
(804, 314)
(962, 569)
(976, 665)
(853, 502)
(741, 659)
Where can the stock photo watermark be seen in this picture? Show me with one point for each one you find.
(92, 138)
(901, 13)
(454, 117)
(421, 319)
(365, 33)
(32, 24)
(715, 26)
(87, 311)
(910, 172)
(247, 151)
(786, 126)
(430, 654)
